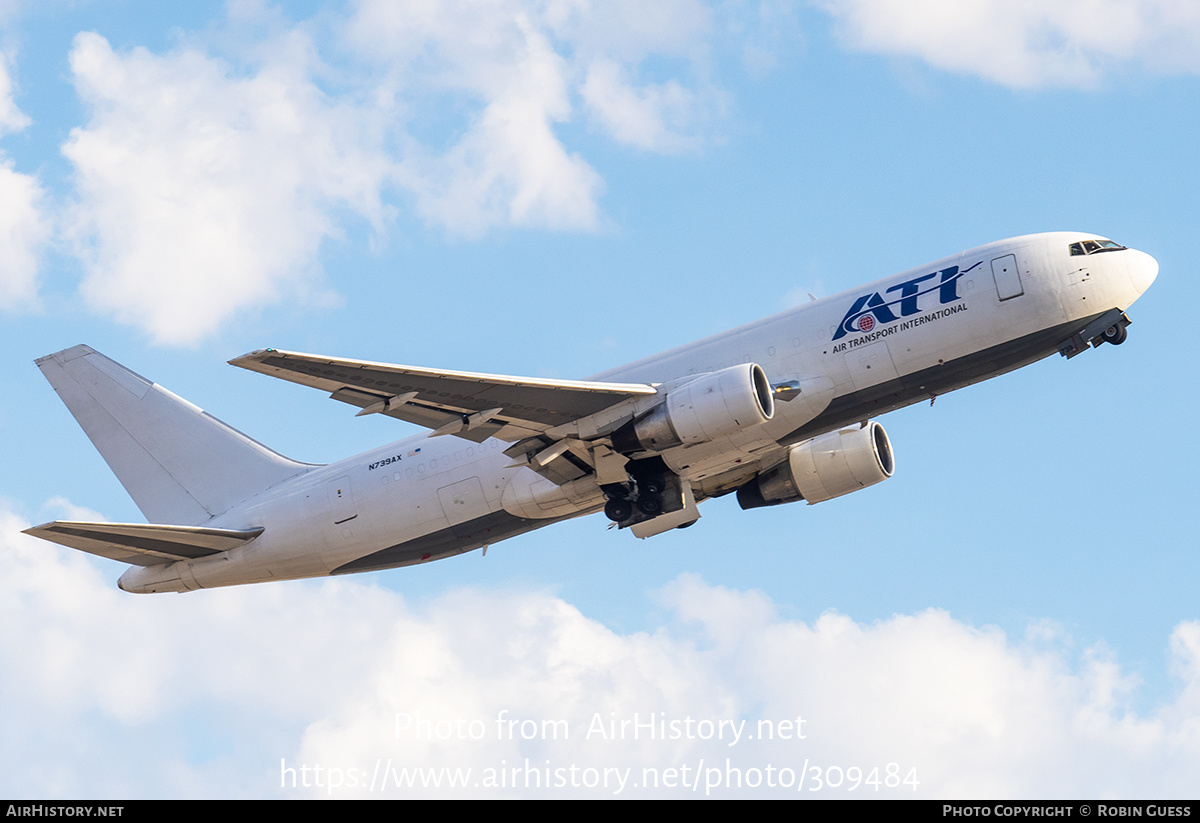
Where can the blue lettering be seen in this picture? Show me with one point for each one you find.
(871, 310)
(948, 290)
(908, 294)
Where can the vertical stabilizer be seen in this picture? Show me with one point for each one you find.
(178, 463)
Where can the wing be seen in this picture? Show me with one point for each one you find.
(468, 405)
(142, 544)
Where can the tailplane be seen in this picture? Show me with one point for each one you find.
(140, 544)
(180, 464)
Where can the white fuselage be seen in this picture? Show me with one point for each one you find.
(852, 356)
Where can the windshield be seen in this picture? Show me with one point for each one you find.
(1094, 247)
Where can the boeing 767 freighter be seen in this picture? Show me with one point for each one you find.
(776, 411)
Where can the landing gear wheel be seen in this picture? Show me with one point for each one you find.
(651, 485)
(618, 510)
(1115, 334)
(650, 505)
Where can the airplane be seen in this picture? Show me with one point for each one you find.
(777, 411)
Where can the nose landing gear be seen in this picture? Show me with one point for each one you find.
(1110, 327)
(1115, 334)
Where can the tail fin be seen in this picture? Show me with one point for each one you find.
(178, 463)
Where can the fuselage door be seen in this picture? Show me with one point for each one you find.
(465, 507)
(341, 503)
(871, 364)
(1007, 276)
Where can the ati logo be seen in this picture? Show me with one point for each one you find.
(874, 309)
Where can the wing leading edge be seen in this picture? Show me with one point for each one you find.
(465, 404)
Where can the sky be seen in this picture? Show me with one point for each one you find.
(553, 189)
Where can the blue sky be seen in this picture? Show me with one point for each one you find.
(552, 189)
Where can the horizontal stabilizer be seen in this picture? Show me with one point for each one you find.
(141, 544)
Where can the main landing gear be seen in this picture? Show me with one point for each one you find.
(639, 499)
(618, 507)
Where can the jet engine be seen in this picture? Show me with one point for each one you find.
(825, 467)
(710, 406)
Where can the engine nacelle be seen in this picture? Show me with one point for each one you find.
(712, 405)
(823, 468)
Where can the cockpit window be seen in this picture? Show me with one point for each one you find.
(1094, 247)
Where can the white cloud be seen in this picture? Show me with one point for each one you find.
(220, 693)
(514, 72)
(12, 119)
(201, 193)
(1026, 43)
(204, 191)
(24, 225)
(24, 230)
(637, 116)
(509, 167)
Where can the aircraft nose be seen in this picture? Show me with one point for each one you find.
(1142, 269)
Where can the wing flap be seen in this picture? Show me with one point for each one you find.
(466, 404)
(142, 544)
(420, 415)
